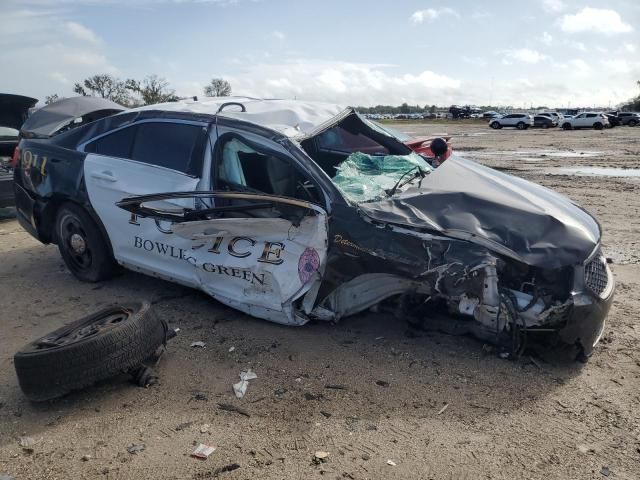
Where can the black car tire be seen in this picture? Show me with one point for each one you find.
(82, 245)
(495, 125)
(566, 126)
(598, 126)
(93, 348)
(521, 126)
(632, 123)
(545, 126)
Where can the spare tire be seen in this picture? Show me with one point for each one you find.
(93, 348)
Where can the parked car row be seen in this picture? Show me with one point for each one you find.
(595, 120)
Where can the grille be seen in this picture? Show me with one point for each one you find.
(596, 276)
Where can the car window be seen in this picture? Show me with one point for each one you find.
(591, 115)
(338, 138)
(171, 145)
(243, 166)
(116, 144)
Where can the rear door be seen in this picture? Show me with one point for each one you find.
(152, 156)
(258, 243)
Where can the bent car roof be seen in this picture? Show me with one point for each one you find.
(292, 118)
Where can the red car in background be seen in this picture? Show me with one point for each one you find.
(422, 145)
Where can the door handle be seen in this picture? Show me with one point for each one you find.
(106, 176)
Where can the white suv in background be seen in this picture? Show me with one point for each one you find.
(521, 121)
(596, 120)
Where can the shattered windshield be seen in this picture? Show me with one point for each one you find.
(367, 178)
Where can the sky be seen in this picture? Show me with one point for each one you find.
(558, 53)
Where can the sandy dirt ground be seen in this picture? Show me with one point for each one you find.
(503, 419)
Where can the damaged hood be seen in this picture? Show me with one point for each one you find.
(506, 214)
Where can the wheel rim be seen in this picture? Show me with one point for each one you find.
(74, 240)
(83, 331)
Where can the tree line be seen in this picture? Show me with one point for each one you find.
(134, 93)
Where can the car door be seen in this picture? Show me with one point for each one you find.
(152, 156)
(580, 120)
(508, 121)
(260, 243)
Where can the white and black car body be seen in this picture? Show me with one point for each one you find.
(247, 206)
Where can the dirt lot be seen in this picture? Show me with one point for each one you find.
(503, 419)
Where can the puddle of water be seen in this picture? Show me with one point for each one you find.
(537, 154)
(596, 172)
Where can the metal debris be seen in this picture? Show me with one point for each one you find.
(391, 462)
(232, 408)
(198, 344)
(183, 426)
(320, 457)
(446, 405)
(134, 448)
(382, 383)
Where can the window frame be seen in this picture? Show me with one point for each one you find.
(261, 148)
(83, 145)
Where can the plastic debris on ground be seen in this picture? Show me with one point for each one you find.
(198, 344)
(365, 178)
(203, 451)
(391, 462)
(27, 444)
(231, 349)
(240, 388)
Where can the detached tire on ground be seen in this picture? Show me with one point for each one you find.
(88, 350)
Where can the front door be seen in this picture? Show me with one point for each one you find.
(260, 254)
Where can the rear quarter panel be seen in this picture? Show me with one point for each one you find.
(45, 176)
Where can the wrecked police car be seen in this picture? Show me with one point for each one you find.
(291, 211)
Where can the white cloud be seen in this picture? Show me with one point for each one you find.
(618, 65)
(476, 61)
(342, 82)
(430, 14)
(598, 20)
(481, 15)
(278, 35)
(546, 38)
(525, 55)
(553, 6)
(80, 32)
(630, 47)
(579, 66)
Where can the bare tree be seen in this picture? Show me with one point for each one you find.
(218, 88)
(54, 97)
(105, 86)
(153, 89)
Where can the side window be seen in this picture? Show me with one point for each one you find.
(171, 145)
(591, 115)
(116, 144)
(240, 166)
(338, 138)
